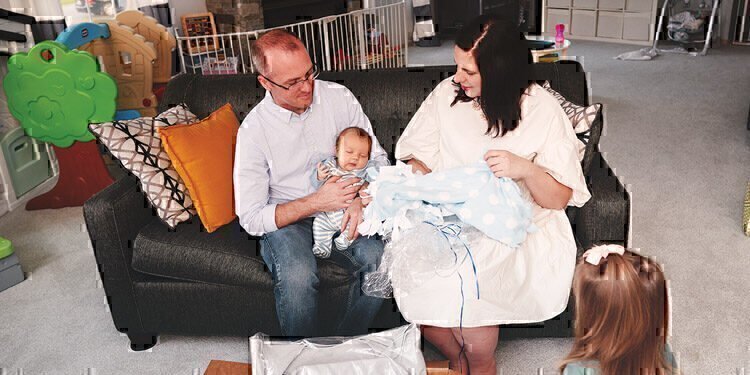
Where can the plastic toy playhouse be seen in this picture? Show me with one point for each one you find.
(90, 73)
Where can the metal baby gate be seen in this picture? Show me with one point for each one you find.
(363, 39)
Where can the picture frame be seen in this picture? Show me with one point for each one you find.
(200, 25)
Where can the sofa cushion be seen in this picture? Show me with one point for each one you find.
(137, 146)
(228, 256)
(203, 155)
(581, 117)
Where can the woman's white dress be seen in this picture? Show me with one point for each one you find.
(526, 284)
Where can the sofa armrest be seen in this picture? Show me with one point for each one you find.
(113, 217)
(606, 217)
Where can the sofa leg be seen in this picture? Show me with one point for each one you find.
(142, 341)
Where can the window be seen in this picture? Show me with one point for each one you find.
(127, 63)
(77, 11)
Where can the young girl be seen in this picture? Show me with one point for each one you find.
(622, 311)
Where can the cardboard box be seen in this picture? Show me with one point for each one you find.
(218, 367)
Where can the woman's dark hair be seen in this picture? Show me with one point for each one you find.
(504, 62)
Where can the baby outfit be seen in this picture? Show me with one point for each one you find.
(326, 224)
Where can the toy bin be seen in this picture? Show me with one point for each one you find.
(10, 269)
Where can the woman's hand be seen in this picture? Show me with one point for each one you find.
(545, 190)
(507, 164)
(418, 167)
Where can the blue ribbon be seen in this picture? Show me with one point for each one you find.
(454, 230)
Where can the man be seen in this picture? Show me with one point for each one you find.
(279, 145)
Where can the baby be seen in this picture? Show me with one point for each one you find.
(353, 147)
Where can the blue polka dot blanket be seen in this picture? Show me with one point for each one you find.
(402, 199)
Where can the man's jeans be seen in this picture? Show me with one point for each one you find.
(288, 253)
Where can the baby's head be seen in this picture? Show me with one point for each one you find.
(621, 310)
(353, 148)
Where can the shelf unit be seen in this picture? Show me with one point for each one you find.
(619, 21)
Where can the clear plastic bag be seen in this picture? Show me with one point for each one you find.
(421, 253)
(394, 351)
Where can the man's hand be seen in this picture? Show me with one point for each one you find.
(323, 171)
(418, 167)
(507, 164)
(352, 217)
(335, 194)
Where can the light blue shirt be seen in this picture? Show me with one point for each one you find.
(592, 367)
(277, 151)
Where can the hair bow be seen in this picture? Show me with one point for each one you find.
(596, 253)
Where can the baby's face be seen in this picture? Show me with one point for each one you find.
(353, 152)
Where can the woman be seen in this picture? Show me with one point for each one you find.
(489, 110)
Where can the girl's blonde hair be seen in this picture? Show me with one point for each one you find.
(621, 315)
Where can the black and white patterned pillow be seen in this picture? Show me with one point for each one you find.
(581, 117)
(137, 145)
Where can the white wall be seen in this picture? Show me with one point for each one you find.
(409, 12)
(45, 8)
(8, 25)
(183, 7)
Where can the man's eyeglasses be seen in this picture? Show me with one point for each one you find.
(313, 73)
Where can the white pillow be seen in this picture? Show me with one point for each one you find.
(581, 117)
(136, 144)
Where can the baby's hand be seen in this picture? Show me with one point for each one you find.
(323, 171)
(366, 198)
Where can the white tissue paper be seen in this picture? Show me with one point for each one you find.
(395, 351)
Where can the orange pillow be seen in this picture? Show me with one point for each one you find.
(203, 155)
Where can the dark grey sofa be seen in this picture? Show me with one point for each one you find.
(187, 281)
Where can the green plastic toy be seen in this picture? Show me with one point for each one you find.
(6, 247)
(55, 92)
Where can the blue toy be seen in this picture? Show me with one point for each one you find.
(78, 35)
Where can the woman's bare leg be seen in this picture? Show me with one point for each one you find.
(479, 345)
(443, 339)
